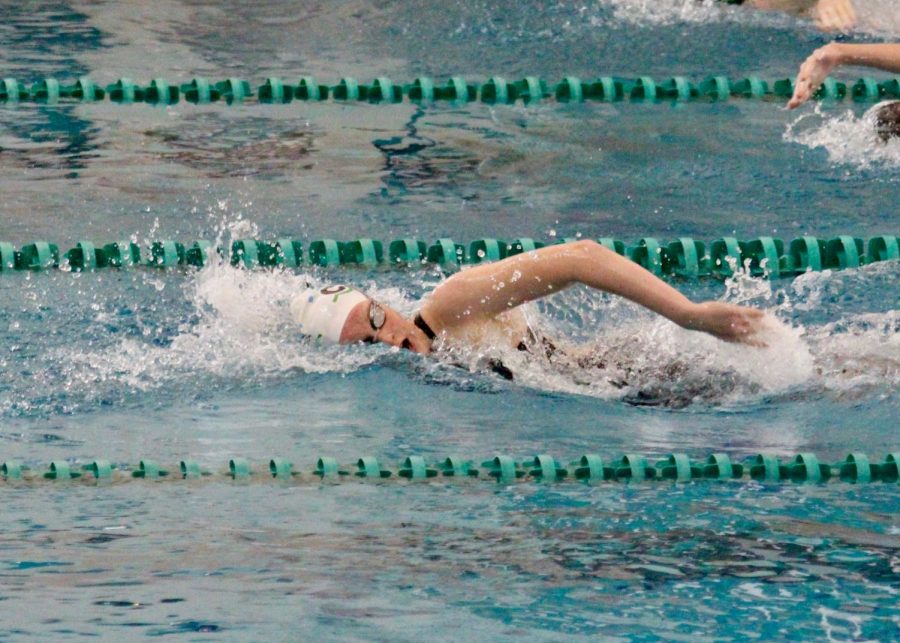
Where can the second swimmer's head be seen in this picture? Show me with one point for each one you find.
(887, 121)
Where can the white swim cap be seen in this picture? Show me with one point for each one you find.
(322, 313)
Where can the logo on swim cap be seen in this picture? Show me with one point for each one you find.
(322, 313)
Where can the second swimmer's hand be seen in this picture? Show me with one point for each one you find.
(812, 72)
(835, 15)
(727, 322)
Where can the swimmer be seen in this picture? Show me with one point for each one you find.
(830, 15)
(474, 303)
(887, 120)
(814, 69)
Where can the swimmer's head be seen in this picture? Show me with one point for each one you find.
(321, 314)
(887, 120)
(339, 314)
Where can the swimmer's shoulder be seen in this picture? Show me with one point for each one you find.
(504, 330)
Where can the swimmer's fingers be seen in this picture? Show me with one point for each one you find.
(730, 323)
(802, 93)
(755, 342)
(808, 79)
(748, 335)
(811, 74)
(826, 20)
(745, 327)
(835, 15)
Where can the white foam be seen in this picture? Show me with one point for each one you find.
(878, 17)
(661, 363)
(241, 329)
(874, 17)
(669, 12)
(643, 354)
(848, 140)
(859, 351)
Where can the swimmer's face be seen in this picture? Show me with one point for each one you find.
(395, 331)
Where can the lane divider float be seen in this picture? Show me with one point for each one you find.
(423, 89)
(590, 467)
(683, 258)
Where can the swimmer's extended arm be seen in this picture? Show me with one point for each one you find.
(830, 15)
(814, 69)
(482, 292)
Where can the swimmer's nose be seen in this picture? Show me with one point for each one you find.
(410, 338)
(391, 337)
(394, 338)
(409, 343)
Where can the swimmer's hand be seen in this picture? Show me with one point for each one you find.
(835, 15)
(813, 71)
(727, 322)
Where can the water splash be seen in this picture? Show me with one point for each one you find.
(627, 352)
(223, 328)
(859, 352)
(878, 17)
(615, 350)
(874, 17)
(848, 140)
(241, 326)
(669, 12)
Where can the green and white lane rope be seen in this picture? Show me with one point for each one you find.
(425, 90)
(856, 468)
(684, 257)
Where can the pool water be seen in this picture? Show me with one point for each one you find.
(207, 365)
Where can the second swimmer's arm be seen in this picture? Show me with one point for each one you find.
(884, 56)
(486, 290)
(830, 15)
(814, 69)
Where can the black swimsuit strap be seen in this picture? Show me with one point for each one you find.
(495, 364)
(423, 326)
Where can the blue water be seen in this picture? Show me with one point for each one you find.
(169, 365)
